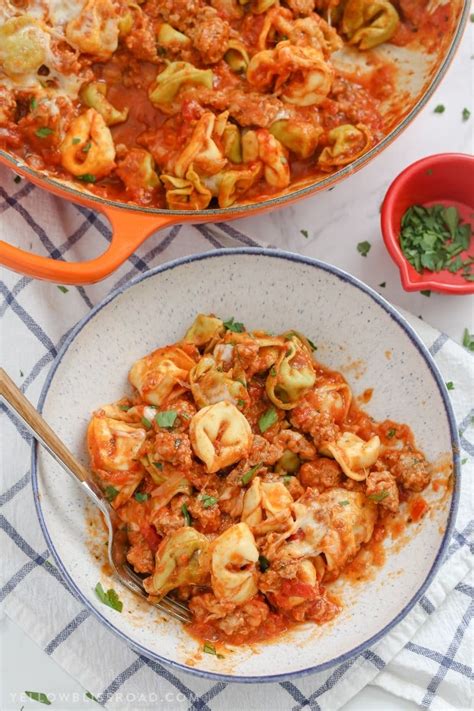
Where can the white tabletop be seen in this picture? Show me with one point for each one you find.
(353, 205)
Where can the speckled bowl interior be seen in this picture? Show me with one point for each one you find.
(355, 330)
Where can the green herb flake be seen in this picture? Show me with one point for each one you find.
(235, 326)
(305, 233)
(166, 418)
(364, 248)
(124, 408)
(248, 476)
(87, 147)
(468, 340)
(344, 503)
(383, 284)
(425, 292)
(63, 289)
(43, 132)
(38, 696)
(17, 179)
(87, 178)
(208, 501)
(378, 497)
(109, 598)
(209, 648)
(440, 109)
(450, 385)
(158, 465)
(263, 563)
(110, 492)
(287, 479)
(273, 372)
(146, 423)
(429, 171)
(22, 375)
(186, 515)
(392, 432)
(463, 461)
(240, 403)
(141, 497)
(75, 141)
(91, 696)
(267, 419)
(33, 104)
(311, 344)
(466, 114)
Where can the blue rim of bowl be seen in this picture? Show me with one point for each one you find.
(419, 345)
(48, 183)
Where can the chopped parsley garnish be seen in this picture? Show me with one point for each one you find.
(158, 465)
(75, 141)
(186, 515)
(305, 233)
(17, 179)
(378, 497)
(450, 385)
(166, 418)
(110, 492)
(139, 496)
(440, 109)
(22, 375)
(468, 340)
(364, 248)
(43, 132)
(208, 501)
(286, 479)
(90, 696)
(267, 419)
(87, 147)
(433, 237)
(466, 114)
(264, 563)
(86, 178)
(38, 696)
(124, 408)
(248, 476)
(273, 372)
(63, 289)
(235, 326)
(241, 403)
(33, 104)
(109, 598)
(392, 432)
(146, 423)
(383, 284)
(210, 649)
(344, 503)
(425, 292)
(463, 461)
(311, 344)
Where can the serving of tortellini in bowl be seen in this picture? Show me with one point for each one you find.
(185, 106)
(248, 478)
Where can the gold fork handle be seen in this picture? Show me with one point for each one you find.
(39, 428)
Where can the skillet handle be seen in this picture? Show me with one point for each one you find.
(129, 230)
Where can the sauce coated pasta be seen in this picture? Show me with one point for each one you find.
(189, 104)
(248, 479)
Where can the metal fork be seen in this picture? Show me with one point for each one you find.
(14, 399)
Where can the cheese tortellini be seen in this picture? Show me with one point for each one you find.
(173, 78)
(264, 497)
(181, 559)
(210, 385)
(353, 454)
(346, 143)
(233, 564)
(220, 435)
(204, 330)
(94, 96)
(368, 23)
(23, 46)
(88, 148)
(291, 376)
(162, 375)
(96, 29)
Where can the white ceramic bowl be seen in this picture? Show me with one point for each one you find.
(355, 330)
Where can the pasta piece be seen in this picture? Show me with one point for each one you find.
(368, 23)
(220, 435)
(261, 6)
(88, 147)
(252, 513)
(232, 143)
(172, 39)
(333, 399)
(172, 79)
(181, 559)
(334, 524)
(233, 184)
(292, 375)
(186, 193)
(353, 454)
(275, 497)
(233, 564)
(346, 143)
(299, 136)
(23, 46)
(162, 375)
(96, 30)
(204, 330)
(210, 385)
(274, 157)
(137, 171)
(94, 96)
(237, 56)
(114, 445)
(201, 151)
